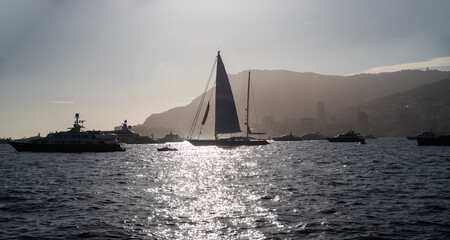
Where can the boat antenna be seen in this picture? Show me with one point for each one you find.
(77, 121)
(76, 124)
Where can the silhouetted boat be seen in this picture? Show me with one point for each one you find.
(426, 134)
(313, 136)
(125, 135)
(28, 138)
(4, 140)
(226, 119)
(171, 138)
(423, 134)
(288, 137)
(166, 149)
(433, 139)
(73, 140)
(349, 136)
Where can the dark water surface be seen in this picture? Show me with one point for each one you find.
(386, 189)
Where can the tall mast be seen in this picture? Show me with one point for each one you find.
(248, 104)
(216, 137)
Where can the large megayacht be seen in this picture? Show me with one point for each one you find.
(74, 140)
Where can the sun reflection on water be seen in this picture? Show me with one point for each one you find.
(209, 192)
(301, 190)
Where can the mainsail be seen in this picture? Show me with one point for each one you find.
(226, 115)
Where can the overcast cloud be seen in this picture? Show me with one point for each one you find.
(116, 60)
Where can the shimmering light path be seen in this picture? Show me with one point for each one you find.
(388, 188)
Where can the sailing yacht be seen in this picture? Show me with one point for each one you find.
(226, 118)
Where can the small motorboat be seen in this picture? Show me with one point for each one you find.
(431, 138)
(166, 149)
(349, 136)
(288, 137)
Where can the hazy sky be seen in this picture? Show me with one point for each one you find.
(115, 60)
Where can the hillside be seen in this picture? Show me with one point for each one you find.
(409, 112)
(284, 98)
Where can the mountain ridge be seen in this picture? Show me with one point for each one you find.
(285, 96)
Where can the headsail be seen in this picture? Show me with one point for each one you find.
(206, 115)
(226, 115)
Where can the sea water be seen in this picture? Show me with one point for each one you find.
(385, 189)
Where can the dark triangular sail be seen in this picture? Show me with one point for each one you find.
(226, 115)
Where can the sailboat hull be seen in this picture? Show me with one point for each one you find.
(227, 142)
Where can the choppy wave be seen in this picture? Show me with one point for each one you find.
(386, 189)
